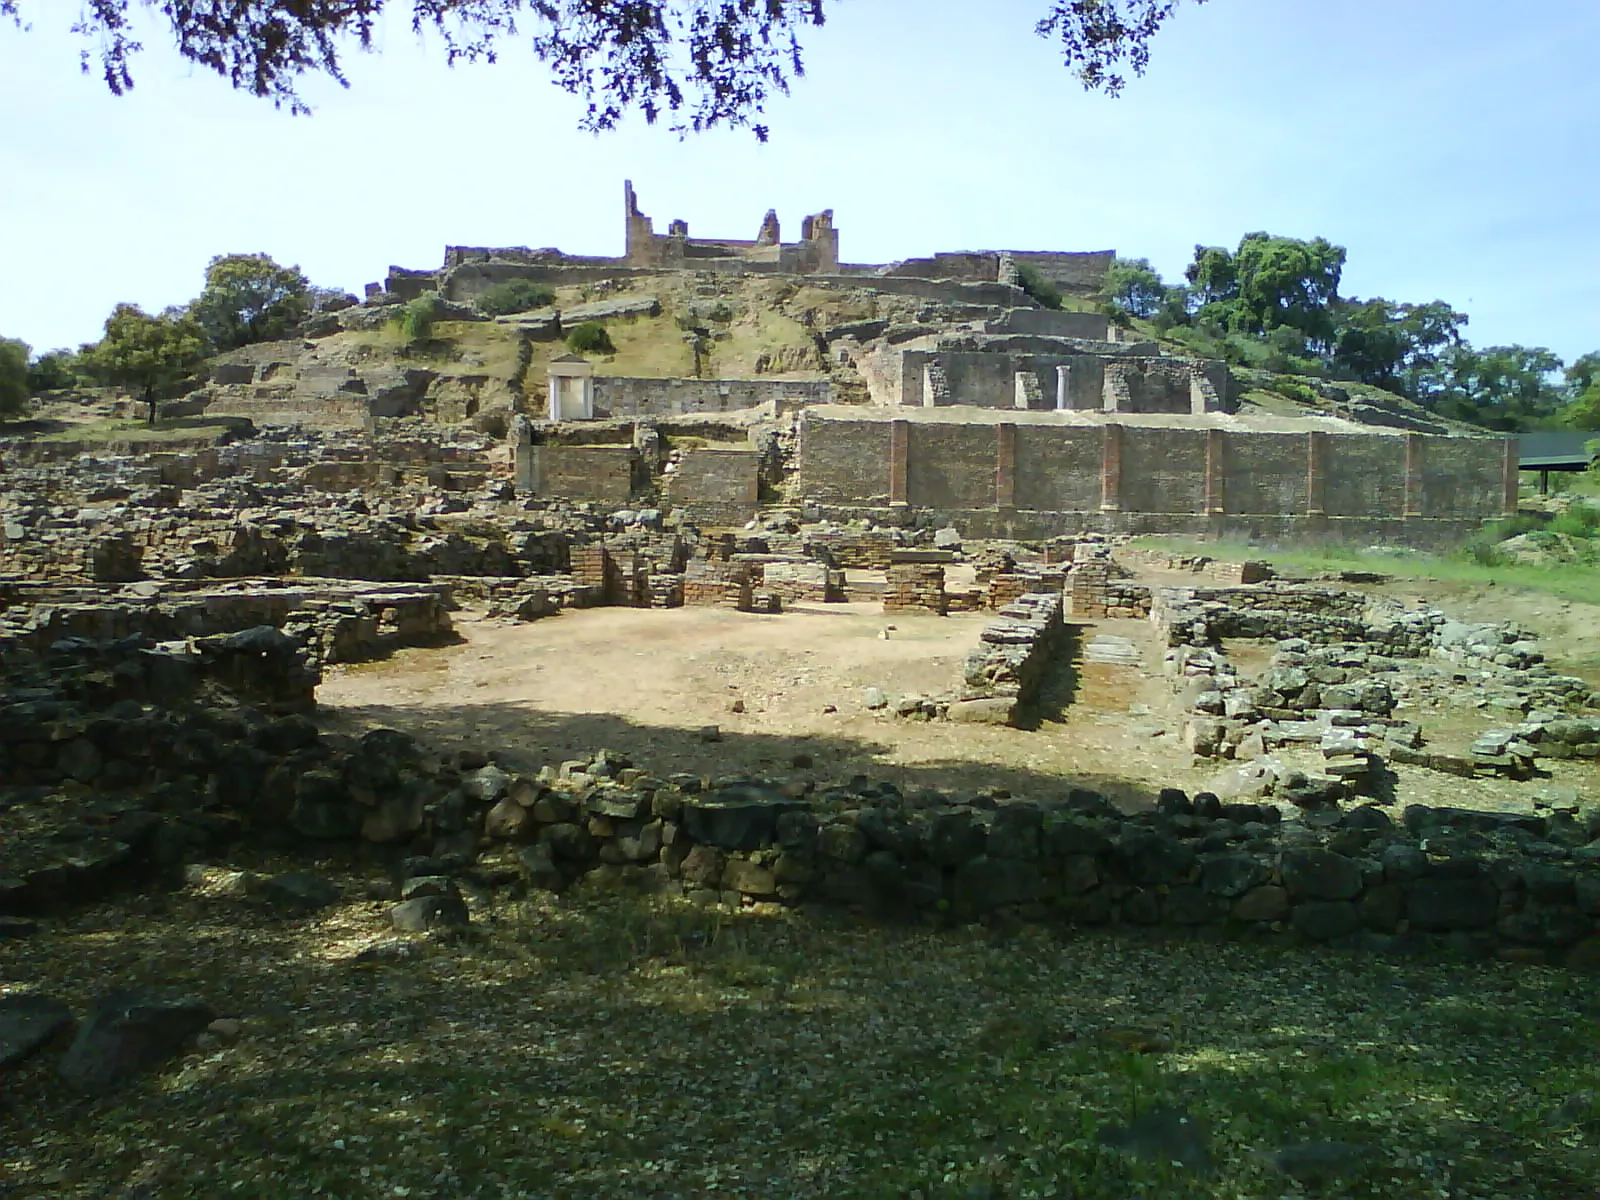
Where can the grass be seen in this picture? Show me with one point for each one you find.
(1569, 582)
(600, 1046)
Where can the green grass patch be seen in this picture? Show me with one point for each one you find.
(1570, 582)
(606, 1046)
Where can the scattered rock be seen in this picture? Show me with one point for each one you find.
(128, 1033)
(28, 1022)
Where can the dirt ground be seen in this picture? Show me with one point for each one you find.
(786, 694)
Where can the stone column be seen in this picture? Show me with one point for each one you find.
(1316, 462)
(1511, 478)
(1413, 494)
(1111, 468)
(588, 397)
(899, 447)
(1216, 500)
(1005, 466)
(1063, 387)
(554, 399)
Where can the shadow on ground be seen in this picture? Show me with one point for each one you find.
(525, 739)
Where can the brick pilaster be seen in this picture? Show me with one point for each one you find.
(1415, 448)
(1005, 466)
(1216, 467)
(899, 454)
(1512, 478)
(1111, 468)
(1316, 473)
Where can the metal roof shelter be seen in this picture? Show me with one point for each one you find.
(1556, 451)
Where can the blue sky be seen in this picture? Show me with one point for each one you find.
(1450, 146)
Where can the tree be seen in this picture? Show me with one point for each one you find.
(1393, 346)
(703, 63)
(590, 337)
(1508, 388)
(514, 295)
(1269, 282)
(148, 354)
(13, 376)
(249, 298)
(53, 370)
(1583, 393)
(1133, 286)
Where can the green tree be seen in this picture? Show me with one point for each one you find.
(13, 376)
(249, 298)
(1393, 346)
(1508, 388)
(1037, 286)
(1269, 282)
(590, 337)
(700, 63)
(1582, 410)
(1134, 287)
(54, 370)
(149, 354)
(514, 295)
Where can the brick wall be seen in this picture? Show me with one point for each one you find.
(951, 466)
(845, 462)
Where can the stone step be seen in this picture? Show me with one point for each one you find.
(1113, 651)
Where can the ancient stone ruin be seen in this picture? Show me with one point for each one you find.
(165, 615)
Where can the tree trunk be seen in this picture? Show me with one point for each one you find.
(150, 403)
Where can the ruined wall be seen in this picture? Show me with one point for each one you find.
(1076, 273)
(1058, 469)
(1037, 479)
(846, 462)
(267, 408)
(619, 396)
(603, 474)
(1451, 475)
(1366, 477)
(951, 466)
(1161, 469)
(717, 487)
(1265, 473)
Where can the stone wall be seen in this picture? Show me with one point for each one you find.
(603, 474)
(620, 396)
(716, 487)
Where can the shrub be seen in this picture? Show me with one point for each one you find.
(1037, 286)
(590, 338)
(514, 295)
(415, 319)
(1579, 521)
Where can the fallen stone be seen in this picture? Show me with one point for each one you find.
(28, 1022)
(428, 913)
(128, 1033)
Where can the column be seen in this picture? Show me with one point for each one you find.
(1511, 479)
(1005, 466)
(1413, 494)
(1111, 468)
(899, 446)
(1216, 500)
(554, 387)
(1316, 462)
(1063, 387)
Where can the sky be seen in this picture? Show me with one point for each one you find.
(1449, 146)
